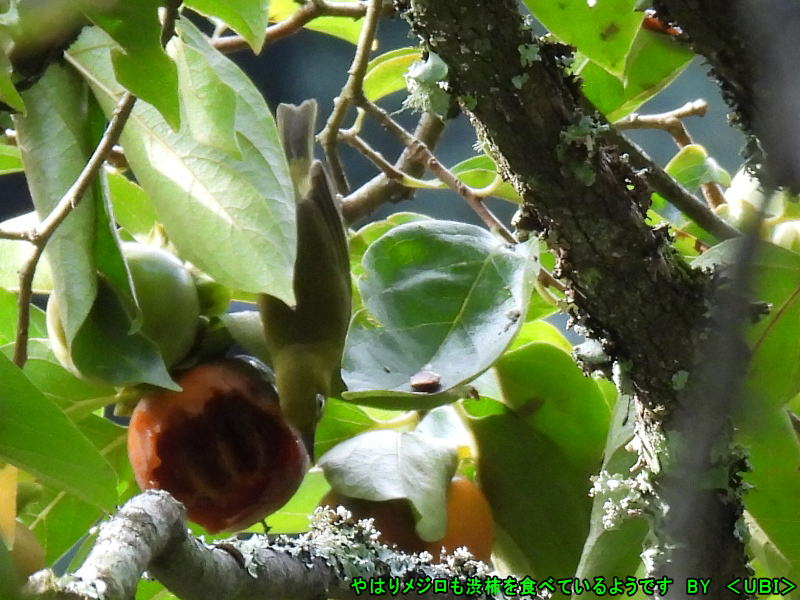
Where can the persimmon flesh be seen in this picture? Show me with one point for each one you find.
(469, 520)
(221, 446)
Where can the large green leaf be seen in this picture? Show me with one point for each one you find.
(773, 377)
(541, 382)
(55, 140)
(140, 64)
(388, 465)
(654, 61)
(441, 298)
(221, 194)
(248, 18)
(603, 30)
(539, 497)
(76, 397)
(773, 451)
(60, 519)
(36, 436)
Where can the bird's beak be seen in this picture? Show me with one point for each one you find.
(308, 442)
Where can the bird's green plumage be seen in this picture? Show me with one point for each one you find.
(306, 341)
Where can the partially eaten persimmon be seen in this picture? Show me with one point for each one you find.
(221, 446)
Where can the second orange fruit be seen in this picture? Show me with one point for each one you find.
(469, 520)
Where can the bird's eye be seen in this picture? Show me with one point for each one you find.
(320, 405)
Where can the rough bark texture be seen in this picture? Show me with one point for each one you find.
(751, 46)
(626, 286)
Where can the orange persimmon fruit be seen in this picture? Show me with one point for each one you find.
(221, 445)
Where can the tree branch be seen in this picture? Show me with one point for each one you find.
(329, 135)
(625, 285)
(149, 533)
(44, 230)
(309, 11)
(382, 189)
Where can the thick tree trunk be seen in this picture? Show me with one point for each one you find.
(626, 287)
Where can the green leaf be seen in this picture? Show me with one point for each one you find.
(540, 331)
(440, 297)
(603, 31)
(692, 166)
(10, 159)
(653, 63)
(344, 28)
(773, 377)
(14, 254)
(773, 451)
(76, 397)
(133, 208)
(60, 519)
(655, 60)
(340, 421)
(481, 172)
(248, 18)
(386, 73)
(387, 465)
(55, 140)
(542, 382)
(215, 206)
(36, 436)
(293, 517)
(538, 496)
(141, 65)
(8, 319)
(107, 351)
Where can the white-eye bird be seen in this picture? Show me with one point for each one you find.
(306, 341)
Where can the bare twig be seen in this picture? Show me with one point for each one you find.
(44, 230)
(672, 123)
(422, 154)
(672, 191)
(382, 189)
(328, 137)
(298, 19)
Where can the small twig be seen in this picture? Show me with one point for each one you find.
(44, 230)
(382, 189)
(352, 89)
(671, 190)
(547, 278)
(670, 121)
(116, 158)
(420, 152)
(298, 19)
(20, 236)
(388, 169)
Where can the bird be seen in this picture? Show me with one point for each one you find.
(306, 341)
